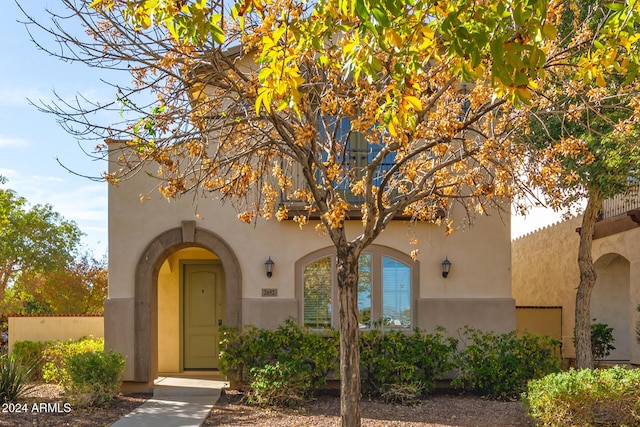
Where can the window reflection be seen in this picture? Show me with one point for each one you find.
(364, 290)
(317, 294)
(396, 293)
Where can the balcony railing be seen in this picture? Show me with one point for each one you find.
(358, 159)
(622, 203)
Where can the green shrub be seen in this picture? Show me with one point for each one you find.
(601, 340)
(94, 377)
(395, 364)
(234, 357)
(500, 365)
(14, 379)
(282, 384)
(586, 398)
(30, 355)
(260, 356)
(55, 369)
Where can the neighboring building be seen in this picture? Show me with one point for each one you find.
(174, 279)
(546, 275)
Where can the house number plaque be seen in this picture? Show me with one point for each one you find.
(269, 292)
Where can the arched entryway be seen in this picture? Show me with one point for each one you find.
(146, 289)
(610, 302)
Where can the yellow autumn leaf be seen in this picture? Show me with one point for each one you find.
(267, 43)
(394, 37)
(415, 102)
(281, 88)
(265, 73)
(523, 94)
(264, 98)
(550, 31)
(278, 33)
(427, 37)
(298, 81)
(392, 129)
(145, 22)
(610, 58)
(173, 31)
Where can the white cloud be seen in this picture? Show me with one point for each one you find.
(9, 141)
(9, 173)
(18, 96)
(47, 178)
(67, 90)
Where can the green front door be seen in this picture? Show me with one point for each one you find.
(203, 313)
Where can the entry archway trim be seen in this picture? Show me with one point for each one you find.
(146, 289)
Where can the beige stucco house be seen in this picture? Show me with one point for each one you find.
(545, 277)
(174, 279)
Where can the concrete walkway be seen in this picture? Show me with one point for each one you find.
(176, 402)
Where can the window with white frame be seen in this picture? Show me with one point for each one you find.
(317, 293)
(387, 286)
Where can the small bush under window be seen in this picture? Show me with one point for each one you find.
(500, 365)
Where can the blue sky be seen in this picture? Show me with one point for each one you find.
(32, 142)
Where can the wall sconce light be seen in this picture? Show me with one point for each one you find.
(268, 264)
(446, 267)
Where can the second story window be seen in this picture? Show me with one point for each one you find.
(358, 154)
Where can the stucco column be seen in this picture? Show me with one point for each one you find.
(119, 331)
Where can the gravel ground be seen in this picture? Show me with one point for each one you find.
(437, 411)
(46, 407)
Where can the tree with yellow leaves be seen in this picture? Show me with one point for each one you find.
(384, 109)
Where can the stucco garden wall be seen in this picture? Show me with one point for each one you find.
(53, 327)
(545, 273)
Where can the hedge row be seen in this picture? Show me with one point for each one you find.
(286, 365)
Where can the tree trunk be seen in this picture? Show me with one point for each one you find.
(7, 269)
(584, 357)
(347, 273)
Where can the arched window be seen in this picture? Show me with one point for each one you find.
(387, 288)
